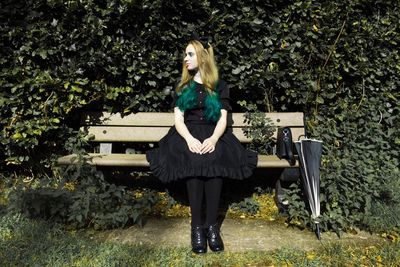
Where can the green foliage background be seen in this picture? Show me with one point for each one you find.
(337, 61)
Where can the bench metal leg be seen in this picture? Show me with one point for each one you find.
(105, 148)
(288, 175)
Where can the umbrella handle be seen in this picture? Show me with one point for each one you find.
(300, 136)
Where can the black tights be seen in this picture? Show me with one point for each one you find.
(196, 187)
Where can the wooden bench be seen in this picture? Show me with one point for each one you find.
(147, 127)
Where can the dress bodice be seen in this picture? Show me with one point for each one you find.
(196, 114)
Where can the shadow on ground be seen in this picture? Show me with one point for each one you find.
(239, 235)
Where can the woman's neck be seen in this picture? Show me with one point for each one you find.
(197, 77)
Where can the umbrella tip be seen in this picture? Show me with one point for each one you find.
(317, 231)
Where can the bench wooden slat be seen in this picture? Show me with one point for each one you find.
(139, 160)
(138, 119)
(167, 119)
(291, 119)
(152, 134)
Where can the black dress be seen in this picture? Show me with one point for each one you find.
(172, 160)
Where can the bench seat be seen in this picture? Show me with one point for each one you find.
(139, 160)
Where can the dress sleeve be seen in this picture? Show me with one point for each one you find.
(174, 98)
(224, 95)
(174, 94)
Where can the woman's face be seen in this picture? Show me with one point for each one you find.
(190, 58)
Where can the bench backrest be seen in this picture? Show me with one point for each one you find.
(152, 126)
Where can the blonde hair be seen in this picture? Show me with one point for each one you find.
(207, 67)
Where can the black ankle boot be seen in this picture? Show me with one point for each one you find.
(214, 238)
(199, 240)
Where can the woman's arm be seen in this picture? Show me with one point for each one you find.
(209, 143)
(194, 145)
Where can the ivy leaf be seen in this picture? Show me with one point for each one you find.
(258, 21)
(237, 70)
(152, 83)
(43, 54)
(75, 88)
(17, 136)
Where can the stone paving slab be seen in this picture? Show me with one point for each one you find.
(238, 235)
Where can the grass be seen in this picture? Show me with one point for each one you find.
(28, 242)
(33, 242)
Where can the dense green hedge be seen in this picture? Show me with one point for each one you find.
(337, 61)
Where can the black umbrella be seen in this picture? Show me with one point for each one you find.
(310, 151)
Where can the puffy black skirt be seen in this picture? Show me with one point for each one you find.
(172, 159)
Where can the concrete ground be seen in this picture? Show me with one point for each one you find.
(238, 234)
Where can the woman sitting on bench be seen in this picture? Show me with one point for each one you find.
(198, 148)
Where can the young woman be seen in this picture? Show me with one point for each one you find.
(198, 148)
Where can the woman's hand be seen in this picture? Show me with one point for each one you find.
(208, 145)
(194, 145)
